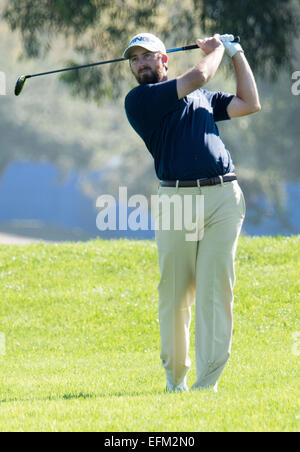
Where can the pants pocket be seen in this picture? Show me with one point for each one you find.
(243, 202)
(240, 198)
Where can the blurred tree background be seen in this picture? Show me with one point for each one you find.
(99, 29)
(81, 122)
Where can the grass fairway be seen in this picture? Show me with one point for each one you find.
(82, 344)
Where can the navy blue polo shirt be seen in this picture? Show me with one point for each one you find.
(181, 135)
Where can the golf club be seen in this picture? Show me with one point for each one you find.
(22, 79)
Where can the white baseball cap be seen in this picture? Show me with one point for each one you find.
(147, 41)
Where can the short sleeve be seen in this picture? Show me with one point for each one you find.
(147, 104)
(220, 102)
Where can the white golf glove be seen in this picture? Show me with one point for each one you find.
(231, 48)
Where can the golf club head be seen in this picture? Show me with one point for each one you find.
(19, 85)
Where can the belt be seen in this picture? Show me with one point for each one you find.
(200, 182)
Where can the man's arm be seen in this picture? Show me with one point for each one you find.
(205, 70)
(246, 100)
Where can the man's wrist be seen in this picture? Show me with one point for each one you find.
(220, 49)
(238, 54)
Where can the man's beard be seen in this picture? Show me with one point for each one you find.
(148, 76)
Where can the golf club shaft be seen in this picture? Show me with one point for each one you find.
(75, 67)
(177, 49)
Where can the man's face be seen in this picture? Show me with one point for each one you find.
(146, 66)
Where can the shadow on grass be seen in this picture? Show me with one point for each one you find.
(80, 395)
(84, 396)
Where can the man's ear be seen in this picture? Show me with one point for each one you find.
(165, 61)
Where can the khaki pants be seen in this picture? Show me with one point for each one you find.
(201, 270)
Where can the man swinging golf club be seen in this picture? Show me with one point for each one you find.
(176, 119)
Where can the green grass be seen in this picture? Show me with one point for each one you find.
(82, 342)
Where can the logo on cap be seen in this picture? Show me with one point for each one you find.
(142, 39)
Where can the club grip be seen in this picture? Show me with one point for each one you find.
(194, 46)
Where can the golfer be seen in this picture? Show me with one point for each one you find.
(177, 121)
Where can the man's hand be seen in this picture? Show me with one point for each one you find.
(231, 48)
(208, 45)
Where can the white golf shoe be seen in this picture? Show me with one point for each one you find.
(182, 387)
